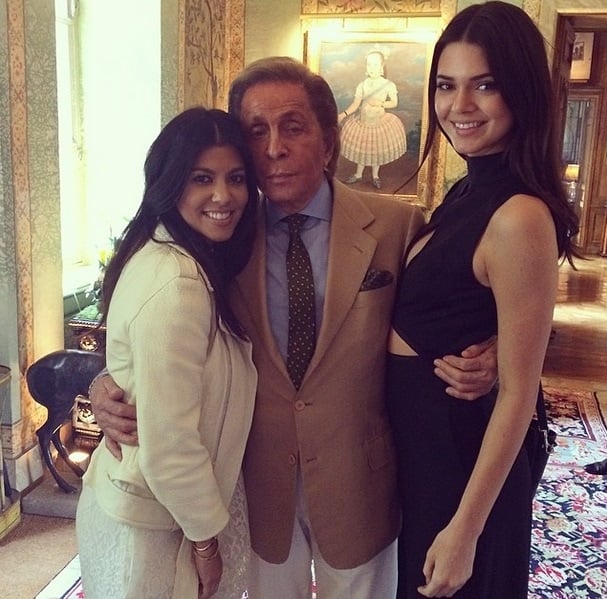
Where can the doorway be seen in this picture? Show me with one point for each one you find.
(579, 154)
(582, 121)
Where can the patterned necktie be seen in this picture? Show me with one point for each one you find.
(302, 321)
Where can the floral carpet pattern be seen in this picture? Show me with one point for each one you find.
(569, 537)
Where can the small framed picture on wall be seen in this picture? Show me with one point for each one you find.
(581, 58)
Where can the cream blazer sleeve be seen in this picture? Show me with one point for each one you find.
(163, 310)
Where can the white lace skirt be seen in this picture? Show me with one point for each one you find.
(119, 561)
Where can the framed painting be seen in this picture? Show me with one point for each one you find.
(379, 83)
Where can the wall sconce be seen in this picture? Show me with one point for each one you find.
(571, 176)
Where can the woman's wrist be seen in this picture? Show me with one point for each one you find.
(206, 550)
(104, 372)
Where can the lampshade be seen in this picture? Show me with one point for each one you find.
(572, 172)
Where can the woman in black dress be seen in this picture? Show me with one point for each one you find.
(485, 264)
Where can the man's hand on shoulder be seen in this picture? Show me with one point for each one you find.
(117, 420)
(472, 374)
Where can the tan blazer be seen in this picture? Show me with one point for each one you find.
(335, 428)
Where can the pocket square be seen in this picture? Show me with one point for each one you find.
(374, 279)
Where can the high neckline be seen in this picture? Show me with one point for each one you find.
(487, 169)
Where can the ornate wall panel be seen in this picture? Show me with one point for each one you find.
(235, 38)
(22, 214)
(32, 175)
(170, 40)
(309, 7)
(204, 51)
(532, 8)
(9, 397)
(213, 52)
(7, 214)
(43, 169)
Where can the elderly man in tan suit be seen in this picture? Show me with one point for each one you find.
(320, 469)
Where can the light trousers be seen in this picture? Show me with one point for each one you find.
(376, 579)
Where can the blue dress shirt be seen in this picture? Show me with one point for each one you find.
(315, 235)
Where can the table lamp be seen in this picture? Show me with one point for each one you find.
(571, 176)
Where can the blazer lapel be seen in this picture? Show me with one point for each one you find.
(351, 250)
(252, 292)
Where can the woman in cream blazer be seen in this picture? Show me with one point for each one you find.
(163, 520)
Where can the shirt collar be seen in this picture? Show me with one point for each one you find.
(319, 206)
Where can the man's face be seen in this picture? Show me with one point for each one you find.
(288, 145)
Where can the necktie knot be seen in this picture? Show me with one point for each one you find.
(295, 222)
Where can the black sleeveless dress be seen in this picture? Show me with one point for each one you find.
(442, 309)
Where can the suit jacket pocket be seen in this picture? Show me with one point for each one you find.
(380, 298)
(375, 279)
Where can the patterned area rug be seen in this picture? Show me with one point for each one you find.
(569, 538)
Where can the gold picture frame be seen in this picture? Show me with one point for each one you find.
(339, 53)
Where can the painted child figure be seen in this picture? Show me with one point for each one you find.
(371, 136)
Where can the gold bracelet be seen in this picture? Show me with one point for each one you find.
(199, 551)
(90, 389)
(206, 547)
(98, 376)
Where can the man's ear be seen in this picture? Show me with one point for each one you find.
(332, 150)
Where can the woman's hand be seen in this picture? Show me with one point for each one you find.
(449, 563)
(209, 566)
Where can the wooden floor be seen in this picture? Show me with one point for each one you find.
(577, 353)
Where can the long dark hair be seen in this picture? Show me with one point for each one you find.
(514, 49)
(167, 169)
(283, 69)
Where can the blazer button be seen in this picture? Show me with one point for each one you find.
(292, 459)
(300, 405)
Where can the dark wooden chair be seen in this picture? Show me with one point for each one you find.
(54, 381)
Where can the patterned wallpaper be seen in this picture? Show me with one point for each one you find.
(33, 269)
(204, 51)
(7, 237)
(8, 273)
(213, 50)
(369, 6)
(43, 171)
